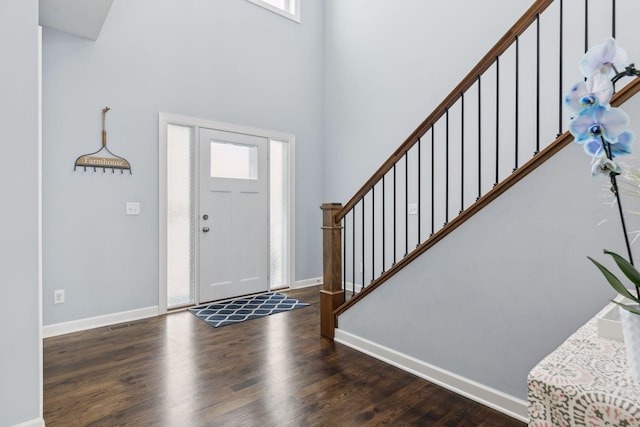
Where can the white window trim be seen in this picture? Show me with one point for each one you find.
(294, 17)
(164, 120)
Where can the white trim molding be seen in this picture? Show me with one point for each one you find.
(495, 399)
(351, 287)
(38, 422)
(98, 321)
(40, 277)
(314, 281)
(294, 14)
(305, 283)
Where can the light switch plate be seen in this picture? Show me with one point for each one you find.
(133, 208)
(413, 208)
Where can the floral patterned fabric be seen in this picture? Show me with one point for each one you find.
(584, 382)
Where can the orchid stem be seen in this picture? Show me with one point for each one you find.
(614, 189)
(614, 185)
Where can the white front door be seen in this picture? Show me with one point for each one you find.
(233, 220)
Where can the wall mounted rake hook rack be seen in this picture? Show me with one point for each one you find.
(103, 158)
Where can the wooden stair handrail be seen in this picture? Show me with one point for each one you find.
(485, 63)
(562, 141)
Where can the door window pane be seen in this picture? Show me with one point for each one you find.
(229, 160)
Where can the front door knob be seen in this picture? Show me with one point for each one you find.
(205, 229)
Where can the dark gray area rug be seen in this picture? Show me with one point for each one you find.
(245, 308)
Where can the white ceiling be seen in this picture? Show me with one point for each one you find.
(82, 18)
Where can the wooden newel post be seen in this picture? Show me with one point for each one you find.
(332, 294)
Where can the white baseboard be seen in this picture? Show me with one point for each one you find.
(314, 281)
(38, 422)
(98, 321)
(509, 405)
(350, 287)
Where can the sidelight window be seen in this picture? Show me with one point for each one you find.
(287, 8)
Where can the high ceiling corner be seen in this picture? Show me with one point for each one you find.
(83, 18)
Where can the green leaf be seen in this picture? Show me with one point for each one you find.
(631, 308)
(614, 281)
(626, 267)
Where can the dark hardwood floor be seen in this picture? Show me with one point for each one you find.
(176, 370)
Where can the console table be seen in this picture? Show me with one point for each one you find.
(584, 382)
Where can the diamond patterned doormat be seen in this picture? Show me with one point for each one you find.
(247, 308)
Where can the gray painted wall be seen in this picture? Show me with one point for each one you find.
(228, 61)
(20, 357)
(507, 287)
(510, 285)
(387, 67)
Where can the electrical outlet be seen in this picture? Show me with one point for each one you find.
(58, 296)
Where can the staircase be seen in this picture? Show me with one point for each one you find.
(500, 123)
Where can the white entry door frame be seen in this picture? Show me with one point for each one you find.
(165, 120)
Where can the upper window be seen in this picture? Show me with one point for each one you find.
(287, 8)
